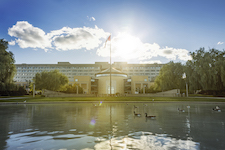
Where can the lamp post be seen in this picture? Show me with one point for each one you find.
(34, 90)
(144, 89)
(184, 77)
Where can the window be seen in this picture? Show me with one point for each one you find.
(145, 79)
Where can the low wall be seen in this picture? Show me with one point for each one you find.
(48, 93)
(171, 93)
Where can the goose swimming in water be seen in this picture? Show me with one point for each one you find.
(137, 114)
(152, 117)
(181, 110)
(217, 108)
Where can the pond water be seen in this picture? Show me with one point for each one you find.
(112, 126)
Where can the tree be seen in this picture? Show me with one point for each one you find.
(206, 70)
(73, 89)
(7, 67)
(170, 77)
(52, 80)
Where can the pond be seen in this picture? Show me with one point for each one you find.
(107, 125)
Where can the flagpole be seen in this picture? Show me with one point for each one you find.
(110, 64)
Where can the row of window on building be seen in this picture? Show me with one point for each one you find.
(59, 70)
(124, 68)
(57, 67)
(126, 71)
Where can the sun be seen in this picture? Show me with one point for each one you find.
(126, 46)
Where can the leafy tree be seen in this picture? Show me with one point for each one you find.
(73, 89)
(206, 70)
(7, 67)
(170, 77)
(52, 80)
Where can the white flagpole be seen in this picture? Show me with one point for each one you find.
(110, 64)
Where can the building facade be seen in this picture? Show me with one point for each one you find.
(95, 78)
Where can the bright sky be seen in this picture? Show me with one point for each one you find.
(143, 31)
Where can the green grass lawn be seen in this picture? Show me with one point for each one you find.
(30, 99)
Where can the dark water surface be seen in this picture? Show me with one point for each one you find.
(111, 126)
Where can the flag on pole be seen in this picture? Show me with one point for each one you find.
(109, 38)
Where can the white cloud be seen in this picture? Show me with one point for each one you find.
(90, 18)
(29, 36)
(220, 43)
(150, 62)
(129, 47)
(93, 18)
(63, 39)
(12, 42)
(77, 38)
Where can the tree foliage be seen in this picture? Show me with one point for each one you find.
(7, 67)
(170, 77)
(206, 70)
(73, 89)
(52, 80)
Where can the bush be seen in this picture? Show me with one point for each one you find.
(220, 93)
(14, 92)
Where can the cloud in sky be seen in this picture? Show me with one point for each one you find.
(220, 43)
(77, 38)
(12, 43)
(91, 18)
(124, 45)
(151, 62)
(63, 39)
(29, 36)
(130, 47)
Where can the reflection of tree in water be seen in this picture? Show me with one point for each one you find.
(48, 117)
(7, 114)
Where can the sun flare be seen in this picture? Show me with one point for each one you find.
(126, 46)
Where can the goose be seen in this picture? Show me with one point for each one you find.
(217, 109)
(145, 105)
(152, 117)
(181, 110)
(135, 106)
(137, 114)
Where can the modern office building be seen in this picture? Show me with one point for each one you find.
(95, 78)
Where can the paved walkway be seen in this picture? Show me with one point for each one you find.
(211, 97)
(8, 98)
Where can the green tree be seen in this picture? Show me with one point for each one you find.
(73, 89)
(170, 77)
(206, 70)
(52, 80)
(7, 67)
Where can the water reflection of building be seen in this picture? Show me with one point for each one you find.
(94, 78)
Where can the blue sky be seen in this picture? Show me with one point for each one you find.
(47, 32)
